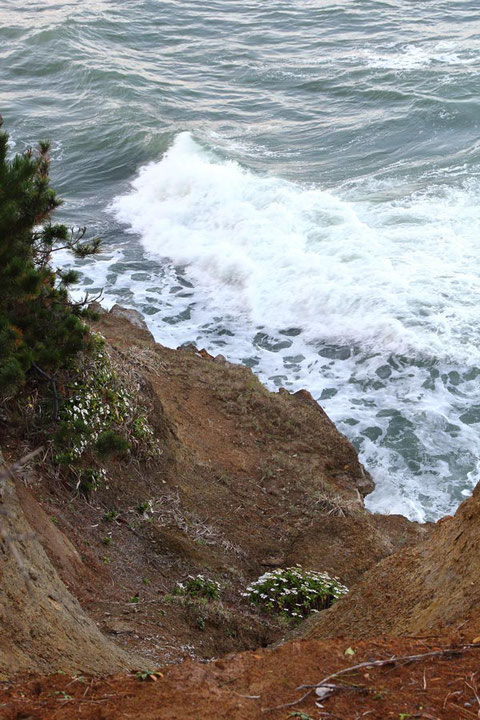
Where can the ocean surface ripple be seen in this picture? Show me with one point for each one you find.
(294, 185)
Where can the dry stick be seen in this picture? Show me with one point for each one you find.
(53, 385)
(10, 471)
(375, 663)
(473, 687)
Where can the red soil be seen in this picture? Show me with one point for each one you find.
(247, 685)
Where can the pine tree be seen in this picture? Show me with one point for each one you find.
(41, 330)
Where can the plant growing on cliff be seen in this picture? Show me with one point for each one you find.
(41, 330)
(100, 414)
(295, 593)
(198, 586)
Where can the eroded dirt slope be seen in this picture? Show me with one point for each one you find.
(42, 625)
(246, 480)
(431, 588)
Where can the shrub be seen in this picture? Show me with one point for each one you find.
(111, 443)
(198, 586)
(41, 330)
(295, 593)
(100, 414)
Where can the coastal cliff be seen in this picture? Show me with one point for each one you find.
(243, 481)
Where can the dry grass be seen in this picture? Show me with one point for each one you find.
(335, 505)
(168, 511)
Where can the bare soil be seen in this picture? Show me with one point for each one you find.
(247, 685)
(246, 480)
(433, 587)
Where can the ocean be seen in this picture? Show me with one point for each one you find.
(294, 185)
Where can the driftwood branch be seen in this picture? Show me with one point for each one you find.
(394, 660)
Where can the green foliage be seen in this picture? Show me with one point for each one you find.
(90, 478)
(100, 415)
(111, 443)
(201, 623)
(295, 593)
(40, 328)
(143, 508)
(198, 586)
(144, 675)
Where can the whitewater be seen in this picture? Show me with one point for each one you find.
(329, 291)
(295, 187)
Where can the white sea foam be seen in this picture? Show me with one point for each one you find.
(417, 56)
(399, 276)
(368, 275)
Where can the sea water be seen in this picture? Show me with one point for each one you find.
(294, 185)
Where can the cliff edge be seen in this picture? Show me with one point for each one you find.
(244, 480)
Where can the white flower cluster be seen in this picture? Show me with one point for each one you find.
(98, 402)
(295, 593)
(198, 586)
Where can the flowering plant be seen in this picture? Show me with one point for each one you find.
(198, 586)
(295, 593)
(101, 413)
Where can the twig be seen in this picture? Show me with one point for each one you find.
(455, 650)
(451, 694)
(104, 698)
(473, 687)
(10, 471)
(87, 299)
(53, 386)
(289, 704)
(392, 661)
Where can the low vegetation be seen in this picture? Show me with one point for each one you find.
(100, 415)
(295, 593)
(198, 586)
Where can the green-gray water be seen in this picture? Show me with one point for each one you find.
(293, 184)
